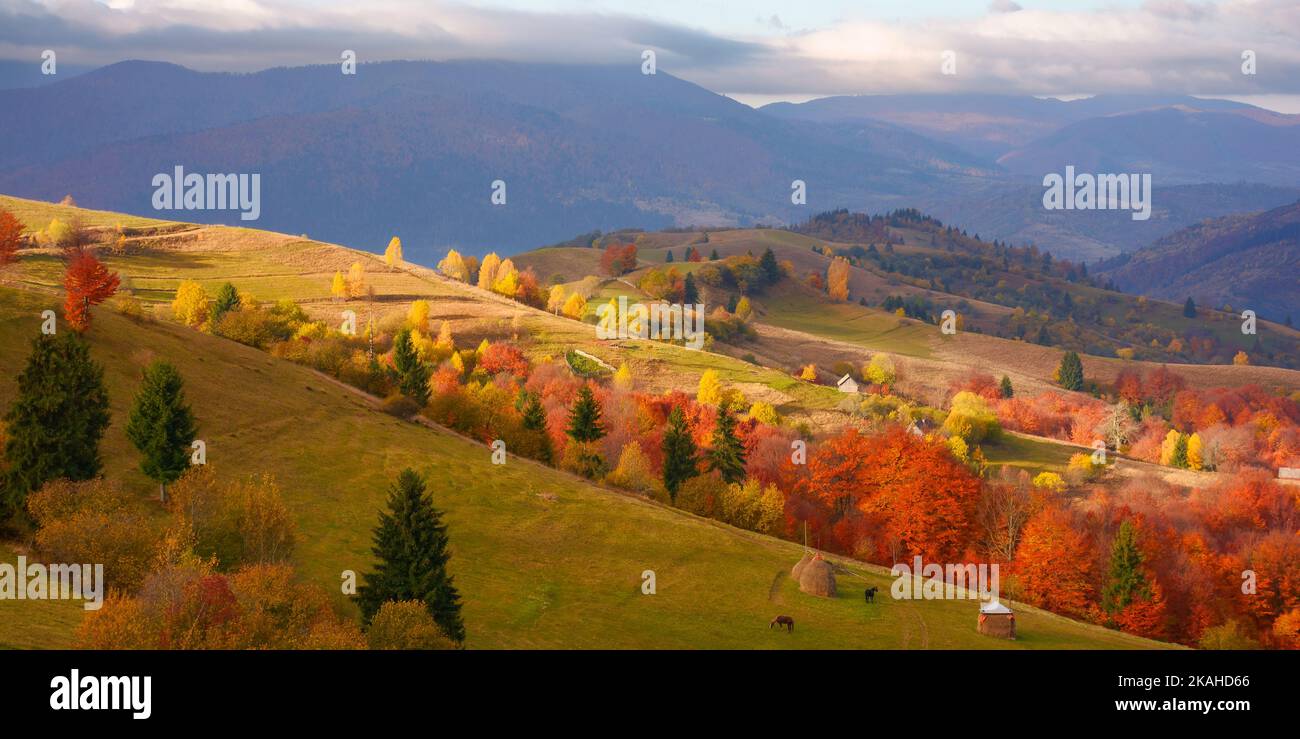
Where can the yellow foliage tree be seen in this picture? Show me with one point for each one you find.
(1169, 447)
(339, 287)
(454, 266)
(482, 348)
(744, 310)
(445, 340)
(1241, 358)
(418, 317)
(356, 280)
(487, 271)
(507, 279)
(191, 303)
(393, 254)
(880, 370)
(623, 377)
(1195, 452)
(809, 373)
(837, 279)
(710, 390)
(1049, 481)
(764, 413)
(555, 301)
(575, 306)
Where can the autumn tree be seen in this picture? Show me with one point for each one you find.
(56, 421)
(356, 280)
(680, 463)
(11, 237)
(726, 455)
(190, 305)
(487, 271)
(410, 544)
(161, 425)
(87, 282)
(338, 286)
(837, 279)
(710, 388)
(1053, 565)
(407, 625)
(453, 266)
(393, 253)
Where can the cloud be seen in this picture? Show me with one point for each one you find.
(1165, 46)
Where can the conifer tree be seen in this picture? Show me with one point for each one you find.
(410, 544)
(1070, 372)
(412, 375)
(226, 301)
(534, 420)
(680, 463)
(1127, 581)
(1005, 390)
(690, 293)
(727, 455)
(161, 426)
(1189, 308)
(771, 270)
(56, 422)
(584, 418)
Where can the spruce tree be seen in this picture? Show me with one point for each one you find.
(727, 455)
(227, 300)
(534, 420)
(713, 255)
(410, 543)
(771, 270)
(1070, 372)
(690, 293)
(1189, 308)
(1006, 390)
(1179, 459)
(56, 422)
(161, 425)
(669, 258)
(1127, 581)
(584, 418)
(680, 463)
(412, 376)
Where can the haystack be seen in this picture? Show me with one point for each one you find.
(797, 570)
(997, 620)
(818, 578)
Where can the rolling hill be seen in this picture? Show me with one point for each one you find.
(542, 559)
(1247, 261)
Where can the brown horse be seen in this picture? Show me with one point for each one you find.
(785, 621)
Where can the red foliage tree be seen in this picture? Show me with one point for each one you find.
(87, 282)
(503, 357)
(1054, 564)
(11, 236)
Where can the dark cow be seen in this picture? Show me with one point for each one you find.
(785, 621)
(871, 594)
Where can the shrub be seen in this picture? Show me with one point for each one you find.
(238, 523)
(406, 624)
(95, 522)
(400, 406)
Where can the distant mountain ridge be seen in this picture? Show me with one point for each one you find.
(413, 149)
(1246, 261)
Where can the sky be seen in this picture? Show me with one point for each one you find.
(756, 51)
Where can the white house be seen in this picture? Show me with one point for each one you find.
(847, 384)
(1289, 474)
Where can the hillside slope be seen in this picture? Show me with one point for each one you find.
(1247, 261)
(542, 559)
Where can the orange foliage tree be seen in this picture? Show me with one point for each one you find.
(87, 282)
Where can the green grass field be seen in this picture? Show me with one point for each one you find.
(849, 322)
(534, 572)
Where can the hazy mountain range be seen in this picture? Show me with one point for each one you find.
(412, 148)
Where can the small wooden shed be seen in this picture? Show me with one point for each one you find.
(997, 620)
(847, 384)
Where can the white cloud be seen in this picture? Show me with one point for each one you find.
(1166, 46)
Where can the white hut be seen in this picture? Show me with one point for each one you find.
(997, 620)
(847, 384)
